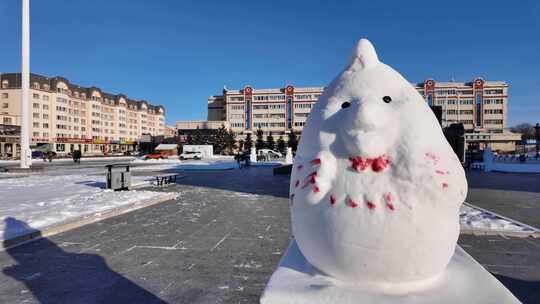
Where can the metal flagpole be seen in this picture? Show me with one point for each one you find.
(26, 155)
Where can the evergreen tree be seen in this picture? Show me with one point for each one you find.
(259, 143)
(270, 143)
(248, 143)
(197, 137)
(230, 142)
(293, 141)
(281, 146)
(220, 140)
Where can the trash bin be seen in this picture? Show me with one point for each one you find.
(118, 177)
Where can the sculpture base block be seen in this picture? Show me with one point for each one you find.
(465, 281)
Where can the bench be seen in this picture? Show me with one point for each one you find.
(164, 179)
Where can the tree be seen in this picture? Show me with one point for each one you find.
(526, 129)
(281, 145)
(259, 143)
(197, 137)
(270, 143)
(230, 141)
(248, 143)
(293, 141)
(219, 139)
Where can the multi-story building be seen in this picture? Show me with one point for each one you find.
(272, 110)
(67, 116)
(480, 105)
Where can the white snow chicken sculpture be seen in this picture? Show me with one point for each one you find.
(375, 188)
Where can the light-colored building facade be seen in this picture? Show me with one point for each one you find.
(273, 110)
(71, 117)
(482, 106)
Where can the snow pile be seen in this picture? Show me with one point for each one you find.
(70, 160)
(372, 175)
(476, 219)
(205, 165)
(516, 167)
(44, 200)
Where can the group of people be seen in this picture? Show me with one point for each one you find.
(76, 155)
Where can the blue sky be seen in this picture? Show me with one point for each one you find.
(177, 53)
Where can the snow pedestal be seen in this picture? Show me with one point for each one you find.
(464, 281)
(253, 155)
(288, 156)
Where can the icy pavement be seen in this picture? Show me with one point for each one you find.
(44, 200)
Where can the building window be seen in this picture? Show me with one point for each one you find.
(45, 97)
(35, 124)
(493, 92)
(45, 125)
(5, 84)
(5, 105)
(5, 95)
(35, 115)
(60, 147)
(35, 105)
(35, 85)
(7, 120)
(45, 116)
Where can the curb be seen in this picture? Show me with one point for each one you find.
(81, 221)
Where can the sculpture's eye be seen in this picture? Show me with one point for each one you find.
(387, 99)
(346, 104)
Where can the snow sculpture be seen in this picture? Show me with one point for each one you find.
(375, 188)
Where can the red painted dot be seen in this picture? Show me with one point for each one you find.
(316, 161)
(388, 197)
(440, 172)
(316, 189)
(380, 163)
(370, 205)
(360, 164)
(296, 183)
(352, 203)
(332, 200)
(390, 206)
(445, 185)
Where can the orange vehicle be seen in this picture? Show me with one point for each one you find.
(156, 155)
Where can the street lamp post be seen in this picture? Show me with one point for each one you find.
(26, 156)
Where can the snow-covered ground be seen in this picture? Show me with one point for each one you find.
(43, 200)
(480, 220)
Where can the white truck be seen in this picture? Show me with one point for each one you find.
(206, 151)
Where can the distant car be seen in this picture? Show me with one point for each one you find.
(191, 155)
(41, 154)
(157, 155)
(37, 154)
(270, 153)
